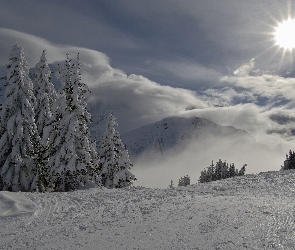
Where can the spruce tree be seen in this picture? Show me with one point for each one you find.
(86, 149)
(114, 158)
(232, 170)
(62, 162)
(74, 161)
(289, 163)
(123, 177)
(19, 137)
(243, 170)
(46, 95)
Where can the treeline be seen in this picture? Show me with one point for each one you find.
(45, 143)
(221, 170)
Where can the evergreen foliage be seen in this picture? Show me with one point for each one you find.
(45, 142)
(46, 96)
(74, 161)
(86, 149)
(19, 137)
(289, 163)
(114, 158)
(184, 181)
(220, 171)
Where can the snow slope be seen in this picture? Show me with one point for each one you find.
(175, 131)
(249, 212)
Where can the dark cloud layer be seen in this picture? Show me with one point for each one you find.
(142, 36)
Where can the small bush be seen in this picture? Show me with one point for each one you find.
(184, 181)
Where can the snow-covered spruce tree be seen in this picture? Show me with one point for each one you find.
(19, 141)
(46, 95)
(74, 158)
(86, 149)
(114, 158)
(62, 163)
(123, 177)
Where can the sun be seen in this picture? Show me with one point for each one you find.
(285, 34)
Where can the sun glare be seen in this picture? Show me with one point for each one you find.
(285, 34)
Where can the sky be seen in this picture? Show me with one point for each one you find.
(187, 44)
(150, 59)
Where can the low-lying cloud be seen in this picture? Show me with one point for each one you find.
(159, 170)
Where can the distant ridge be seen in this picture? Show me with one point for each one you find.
(176, 132)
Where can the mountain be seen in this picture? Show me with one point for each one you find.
(177, 132)
(246, 212)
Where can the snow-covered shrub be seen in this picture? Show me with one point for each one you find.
(184, 181)
(220, 171)
(289, 163)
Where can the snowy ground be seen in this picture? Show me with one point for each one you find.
(250, 212)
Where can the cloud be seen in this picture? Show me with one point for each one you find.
(190, 71)
(271, 87)
(141, 100)
(247, 102)
(263, 105)
(212, 36)
(228, 96)
(158, 170)
(34, 46)
(282, 119)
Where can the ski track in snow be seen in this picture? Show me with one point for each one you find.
(249, 212)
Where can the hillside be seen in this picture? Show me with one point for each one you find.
(178, 146)
(177, 132)
(249, 212)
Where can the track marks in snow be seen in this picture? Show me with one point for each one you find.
(250, 212)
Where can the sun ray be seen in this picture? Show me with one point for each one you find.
(278, 51)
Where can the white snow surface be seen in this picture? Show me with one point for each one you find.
(248, 212)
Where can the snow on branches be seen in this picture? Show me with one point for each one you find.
(45, 142)
(114, 158)
(19, 137)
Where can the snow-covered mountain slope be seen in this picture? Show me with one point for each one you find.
(176, 132)
(249, 212)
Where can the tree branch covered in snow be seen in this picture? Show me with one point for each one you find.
(114, 158)
(45, 142)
